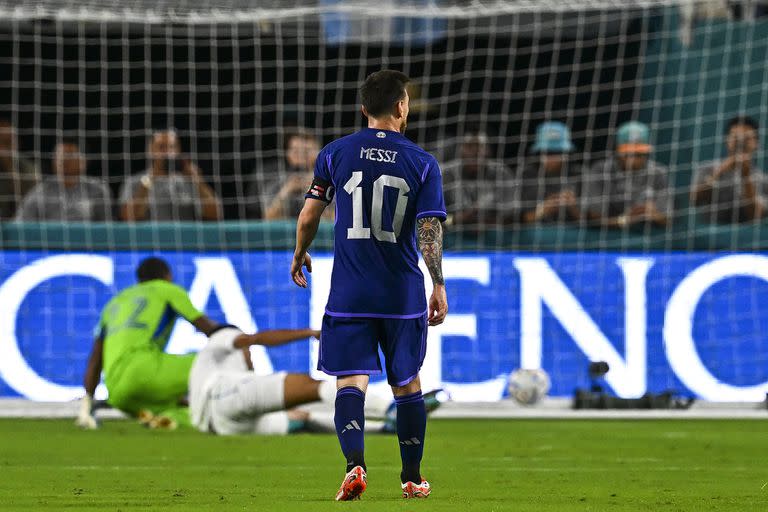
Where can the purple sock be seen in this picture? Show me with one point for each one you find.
(350, 425)
(411, 429)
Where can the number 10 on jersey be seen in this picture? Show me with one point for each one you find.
(353, 188)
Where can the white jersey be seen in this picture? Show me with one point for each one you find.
(225, 397)
(214, 359)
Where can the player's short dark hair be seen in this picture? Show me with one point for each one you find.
(382, 90)
(742, 121)
(152, 268)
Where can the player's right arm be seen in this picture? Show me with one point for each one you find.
(319, 195)
(93, 369)
(85, 417)
(306, 229)
(274, 338)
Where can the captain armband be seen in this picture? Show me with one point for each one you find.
(321, 189)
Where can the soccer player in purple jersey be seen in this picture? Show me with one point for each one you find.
(389, 198)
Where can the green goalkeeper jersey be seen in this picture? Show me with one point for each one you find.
(140, 319)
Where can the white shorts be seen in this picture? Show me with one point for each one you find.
(246, 403)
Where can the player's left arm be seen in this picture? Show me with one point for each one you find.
(179, 300)
(430, 214)
(430, 236)
(205, 325)
(274, 338)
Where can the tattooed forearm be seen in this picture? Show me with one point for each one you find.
(430, 235)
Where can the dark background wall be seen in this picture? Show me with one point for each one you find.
(231, 90)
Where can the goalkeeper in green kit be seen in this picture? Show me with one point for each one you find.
(143, 381)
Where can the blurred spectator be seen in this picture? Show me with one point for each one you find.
(171, 189)
(68, 195)
(748, 9)
(341, 28)
(733, 190)
(277, 192)
(691, 12)
(475, 186)
(17, 175)
(629, 188)
(547, 192)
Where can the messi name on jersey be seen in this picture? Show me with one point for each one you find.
(378, 155)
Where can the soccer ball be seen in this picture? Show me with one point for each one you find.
(528, 386)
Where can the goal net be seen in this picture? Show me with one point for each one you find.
(584, 146)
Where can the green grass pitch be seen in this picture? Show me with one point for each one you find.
(484, 465)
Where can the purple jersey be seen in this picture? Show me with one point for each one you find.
(383, 182)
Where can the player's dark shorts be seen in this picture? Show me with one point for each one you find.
(350, 346)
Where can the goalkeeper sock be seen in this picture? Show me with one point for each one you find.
(411, 429)
(350, 425)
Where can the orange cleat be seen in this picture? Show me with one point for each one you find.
(156, 422)
(354, 485)
(412, 490)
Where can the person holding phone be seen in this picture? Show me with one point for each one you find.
(276, 191)
(629, 189)
(733, 190)
(171, 189)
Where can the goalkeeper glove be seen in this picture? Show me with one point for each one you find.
(85, 418)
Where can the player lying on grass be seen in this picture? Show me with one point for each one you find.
(145, 382)
(226, 398)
